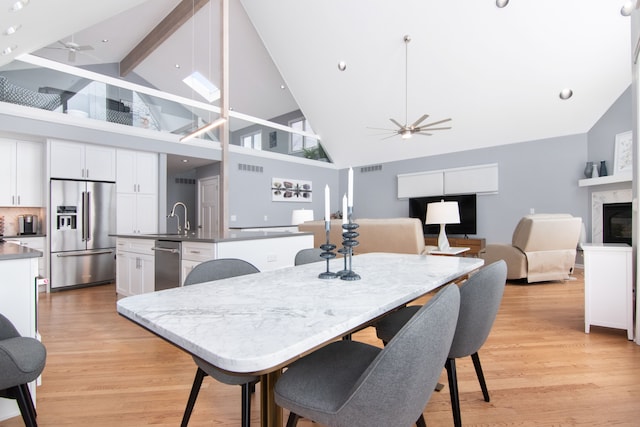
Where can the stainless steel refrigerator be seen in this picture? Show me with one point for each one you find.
(82, 217)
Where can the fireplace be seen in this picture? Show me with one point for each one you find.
(616, 223)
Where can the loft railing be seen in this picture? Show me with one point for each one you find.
(44, 84)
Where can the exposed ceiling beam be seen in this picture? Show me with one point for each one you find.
(174, 20)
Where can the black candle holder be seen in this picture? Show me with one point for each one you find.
(328, 255)
(349, 243)
(343, 251)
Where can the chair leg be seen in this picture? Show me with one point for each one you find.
(421, 422)
(195, 388)
(450, 365)
(483, 384)
(246, 404)
(27, 393)
(292, 421)
(25, 406)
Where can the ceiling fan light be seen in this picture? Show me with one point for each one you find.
(406, 134)
(566, 93)
(502, 3)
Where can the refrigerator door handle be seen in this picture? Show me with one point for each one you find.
(86, 215)
(64, 255)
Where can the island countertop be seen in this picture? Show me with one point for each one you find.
(12, 251)
(232, 235)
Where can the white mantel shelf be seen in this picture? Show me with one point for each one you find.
(610, 179)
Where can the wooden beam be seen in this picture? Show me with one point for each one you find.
(169, 25)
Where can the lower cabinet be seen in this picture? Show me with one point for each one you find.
(608, 286)
(135, 266)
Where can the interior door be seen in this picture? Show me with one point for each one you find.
(208, 212)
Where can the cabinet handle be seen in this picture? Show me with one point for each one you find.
(13, 200)
(195, 252)
(18, 199)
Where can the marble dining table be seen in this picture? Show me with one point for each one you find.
(259, 323)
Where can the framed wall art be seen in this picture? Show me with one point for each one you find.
(290, 190)
(623, 153)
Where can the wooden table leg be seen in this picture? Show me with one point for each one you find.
(270, 413)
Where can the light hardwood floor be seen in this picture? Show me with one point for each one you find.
(541, 368)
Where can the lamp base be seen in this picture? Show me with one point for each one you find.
(443, 242)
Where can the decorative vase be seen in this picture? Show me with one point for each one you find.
(603, 168)
(594, 172)
(588, 170)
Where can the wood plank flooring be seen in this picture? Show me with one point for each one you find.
(541, 368)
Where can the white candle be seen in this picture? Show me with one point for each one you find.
(345, 218)
(327, 203)
(350, 189)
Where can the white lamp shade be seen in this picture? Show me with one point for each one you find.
(298, 216)
(443, 213)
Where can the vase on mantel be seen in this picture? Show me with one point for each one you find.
(588, 170)
(594, 172)
(603, 168)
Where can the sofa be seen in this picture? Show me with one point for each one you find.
(399, 235)
(543, 248)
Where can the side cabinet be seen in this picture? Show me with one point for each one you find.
(135, 266)
(608, 286)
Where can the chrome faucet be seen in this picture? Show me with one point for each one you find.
(187, 227)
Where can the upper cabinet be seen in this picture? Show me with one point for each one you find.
(137, 192)
(22, 175)
(74, 160)
(471, 179)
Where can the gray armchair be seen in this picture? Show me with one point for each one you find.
(22, 360)
(480, 298)
(348, 383)
(205, 272)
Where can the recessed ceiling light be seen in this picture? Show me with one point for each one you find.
(177, 65)
(283, 87)
(566, 93)
(502, 3)
(105, 40)
(342, 65)
(185, 161)
(628, 7)
(18, 5)
(7, 50)
(12, 29)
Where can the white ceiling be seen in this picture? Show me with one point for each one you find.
(496, 72)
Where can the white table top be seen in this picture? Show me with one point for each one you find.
(453, 250)
(260, 322)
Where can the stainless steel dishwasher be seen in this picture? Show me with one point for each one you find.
(167, 260)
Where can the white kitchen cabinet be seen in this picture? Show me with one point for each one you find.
(73, 160)
(193, 253)
(608, 286)
(135, 266)
(38, 244)
(22, 176)
(137, 192)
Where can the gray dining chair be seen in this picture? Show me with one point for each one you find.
(206, 272)
(307, 256)
(349, 383)
(480, 298)
(22, 360)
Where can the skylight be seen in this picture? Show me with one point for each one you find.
(202, 86)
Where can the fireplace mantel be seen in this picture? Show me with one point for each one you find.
(610, 179)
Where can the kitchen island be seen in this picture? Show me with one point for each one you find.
(18, 300)
(136, 258)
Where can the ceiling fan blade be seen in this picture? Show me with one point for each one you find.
(423, 133)
(386, 129)
(391, 136)
(420, 120)
(85, 47)
(435, 123)
(422, 129)
(395, 122)
(72, 56)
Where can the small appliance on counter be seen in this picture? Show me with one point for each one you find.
(27, 224)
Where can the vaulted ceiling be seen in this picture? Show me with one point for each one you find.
(497, 72)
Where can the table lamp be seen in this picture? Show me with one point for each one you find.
(298, 216)
(443, 213)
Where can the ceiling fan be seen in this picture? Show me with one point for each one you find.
(72, 48)
(407, 130)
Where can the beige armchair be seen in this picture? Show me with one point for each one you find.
(543, 248)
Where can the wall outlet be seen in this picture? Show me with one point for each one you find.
(532, 211)
(272, 257)
(233, 218)
(266, 218)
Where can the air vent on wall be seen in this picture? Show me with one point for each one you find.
(372, 168)
(249, 168)
(189, 181)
